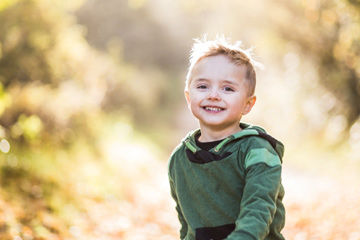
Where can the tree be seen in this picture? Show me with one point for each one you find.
(328, 33)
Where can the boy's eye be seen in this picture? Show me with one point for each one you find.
(228, 89)
(201, 87)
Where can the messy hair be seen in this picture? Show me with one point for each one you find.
(203, 47)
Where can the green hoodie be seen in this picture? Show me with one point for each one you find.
(233, 191)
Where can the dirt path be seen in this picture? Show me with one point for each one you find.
(318, 208)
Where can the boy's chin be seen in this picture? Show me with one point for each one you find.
(219, 126)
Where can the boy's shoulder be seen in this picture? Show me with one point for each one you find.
(180, 148)
(259, 147)
(258, 138)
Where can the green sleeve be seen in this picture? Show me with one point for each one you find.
(184, 225)
(258, 204)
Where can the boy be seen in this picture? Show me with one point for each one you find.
(226, 176)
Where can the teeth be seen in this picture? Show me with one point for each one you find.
(213, 109)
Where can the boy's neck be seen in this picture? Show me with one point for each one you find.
(210, 135)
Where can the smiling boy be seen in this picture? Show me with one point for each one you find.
(226, 176)
(218, 97)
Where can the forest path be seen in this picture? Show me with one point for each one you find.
(318, 208)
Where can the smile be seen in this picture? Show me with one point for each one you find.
(213, 109)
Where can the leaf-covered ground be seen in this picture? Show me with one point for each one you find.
(321, 207)
(318, 207)
(139, 206)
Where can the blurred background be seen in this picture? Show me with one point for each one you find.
(92, 104)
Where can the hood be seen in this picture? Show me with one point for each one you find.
(215, 153)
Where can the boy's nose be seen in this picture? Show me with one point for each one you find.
(213, 95)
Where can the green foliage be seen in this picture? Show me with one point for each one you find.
(28, 196)
(5, 99)
(6, 4)
(26, 40)
(45, 82)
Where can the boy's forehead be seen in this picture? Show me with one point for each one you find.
(218, 65)
(216, 60)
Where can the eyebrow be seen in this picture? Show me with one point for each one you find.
(200, 80)
(230, 82)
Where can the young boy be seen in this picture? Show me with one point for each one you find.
(226, 176)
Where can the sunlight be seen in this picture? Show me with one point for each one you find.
(355, 140)
(4, 146)
(92, 105)
(136, 4)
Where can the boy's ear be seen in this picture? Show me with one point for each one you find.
(187, 96)
(249, 104)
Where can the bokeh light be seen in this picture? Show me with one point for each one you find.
(4, 146)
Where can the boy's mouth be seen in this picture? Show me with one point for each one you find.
(213, 109)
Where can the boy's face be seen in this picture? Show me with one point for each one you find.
(218, 93)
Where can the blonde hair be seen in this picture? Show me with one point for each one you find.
(203, 47)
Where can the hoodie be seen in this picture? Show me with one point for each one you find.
(232, 191)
